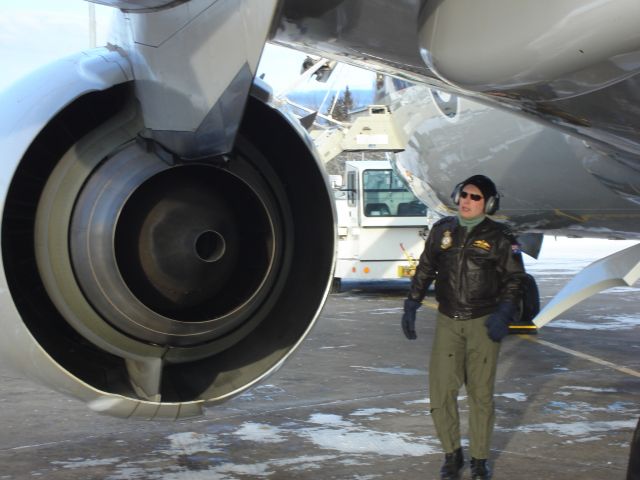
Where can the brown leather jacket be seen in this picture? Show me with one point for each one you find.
(473, 272)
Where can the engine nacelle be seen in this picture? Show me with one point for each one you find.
(145, 285)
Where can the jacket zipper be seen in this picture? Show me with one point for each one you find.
(465, 236)
(465, 240)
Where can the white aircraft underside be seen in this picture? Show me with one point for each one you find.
(168, 234)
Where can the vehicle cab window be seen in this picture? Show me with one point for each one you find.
(385, 195)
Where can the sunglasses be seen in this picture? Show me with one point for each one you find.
(474, 197)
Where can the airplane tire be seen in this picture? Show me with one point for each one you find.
(529, 308)
(530, 299)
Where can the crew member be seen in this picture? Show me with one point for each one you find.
(478, 270)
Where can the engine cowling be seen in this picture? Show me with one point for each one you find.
(149, 286)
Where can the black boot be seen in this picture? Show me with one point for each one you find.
(480, 469)
(452, 465)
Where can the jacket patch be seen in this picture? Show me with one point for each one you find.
(447, 241)
(483, 244)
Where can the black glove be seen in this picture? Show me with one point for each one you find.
(498, 322)
(409, 318)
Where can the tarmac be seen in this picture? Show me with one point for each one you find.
(352, 403)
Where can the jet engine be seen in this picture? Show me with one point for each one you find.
(142, 283)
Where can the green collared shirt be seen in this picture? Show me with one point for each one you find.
(470, 223)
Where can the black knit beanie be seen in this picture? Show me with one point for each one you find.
(486, 186)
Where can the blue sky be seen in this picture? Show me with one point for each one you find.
(36, 32)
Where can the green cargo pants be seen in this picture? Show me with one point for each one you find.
(463, 353)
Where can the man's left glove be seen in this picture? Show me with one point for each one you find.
(409, 318)
(498, 322)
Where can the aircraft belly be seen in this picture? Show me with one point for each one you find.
(365, 32)
(581, 74)
(547, 179)
(608, 116)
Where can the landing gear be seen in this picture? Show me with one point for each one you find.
(529, 308)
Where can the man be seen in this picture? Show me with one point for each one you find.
(478, 271)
